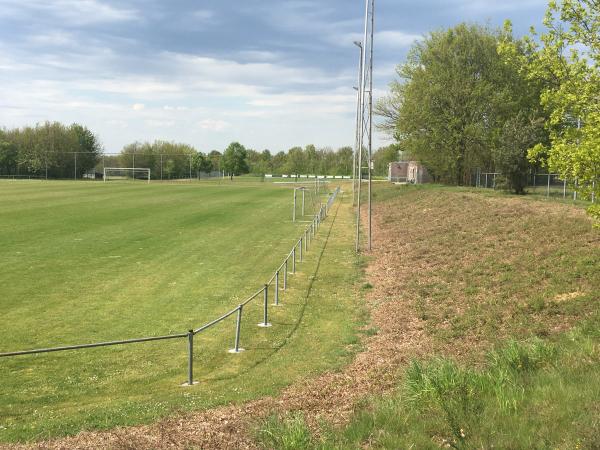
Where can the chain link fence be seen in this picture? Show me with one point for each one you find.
(546, 184)
(90, 166)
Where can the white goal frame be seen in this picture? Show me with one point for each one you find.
(132, 169)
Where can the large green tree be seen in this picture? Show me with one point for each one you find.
(8, 157)
(454, 96)
(53, 149)
(234, 160)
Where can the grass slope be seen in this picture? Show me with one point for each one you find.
(506, 290)
(85, 262)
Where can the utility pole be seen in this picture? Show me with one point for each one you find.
(366, 116)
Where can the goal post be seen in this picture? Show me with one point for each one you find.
(119, 173)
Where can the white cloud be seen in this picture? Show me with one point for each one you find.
(214, 125)
(160, 123)
(395, 39)
(138, 106)
(52, 38)
(203, 14)
(73, 12)
(258, 55)
(487, 7)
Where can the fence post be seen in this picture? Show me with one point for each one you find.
(548, 189)
(565, 188)
(190, 358)
(285, 273)
(238, 325)
(300, 246)
(302, 203)
(265, 323)
(294, 211)
(277, 288)
(294, 260)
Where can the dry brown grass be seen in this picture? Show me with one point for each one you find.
(478, 269)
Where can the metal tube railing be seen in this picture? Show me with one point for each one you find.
(97, 344)
(265, 323)
(238, 325)
(304, 239)
(277, 288)
(190, 357)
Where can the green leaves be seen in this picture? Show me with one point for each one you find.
(455, 96)
(234, 159)
(567, 62)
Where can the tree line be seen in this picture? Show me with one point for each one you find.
(471, 97)
(59, 151)
(49, 149)
(236, 159)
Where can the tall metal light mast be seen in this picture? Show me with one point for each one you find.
(357, 134)
(365, 100)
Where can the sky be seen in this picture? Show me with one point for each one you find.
(271, 74)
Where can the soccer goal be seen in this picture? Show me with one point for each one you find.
(126, 173)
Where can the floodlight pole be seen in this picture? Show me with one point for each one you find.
(358, 122)
(366, 114)
(371, 117)
(361, 89)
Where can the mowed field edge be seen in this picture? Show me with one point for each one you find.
(83, 262)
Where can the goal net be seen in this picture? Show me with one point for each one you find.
(127, 173)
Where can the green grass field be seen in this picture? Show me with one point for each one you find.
(83, 262)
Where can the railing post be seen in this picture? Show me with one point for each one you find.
(277, 288)
(238, 326)
(303, 202)
(265, 323)
(190, 358)
(294, 211)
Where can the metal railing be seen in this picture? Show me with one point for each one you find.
(302, 244)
